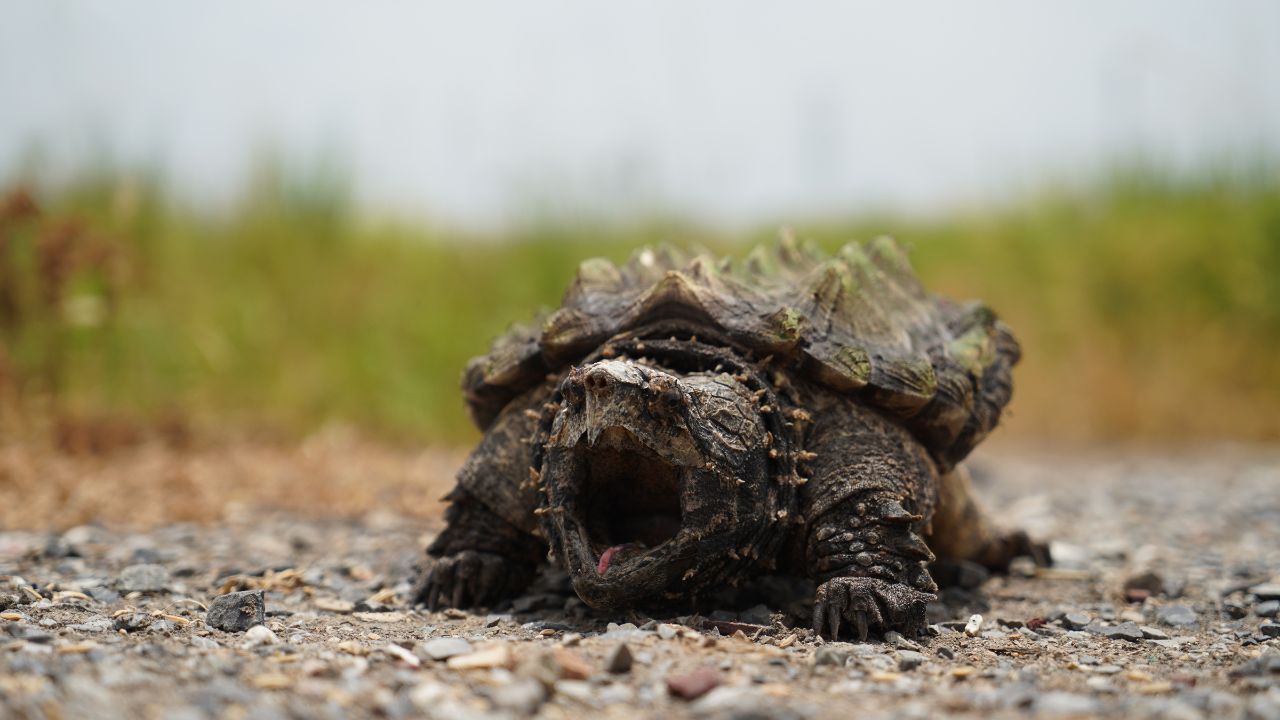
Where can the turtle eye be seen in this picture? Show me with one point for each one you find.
(665, 397)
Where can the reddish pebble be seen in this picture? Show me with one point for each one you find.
(1136, 595)
(1036, 623)
(694, 685)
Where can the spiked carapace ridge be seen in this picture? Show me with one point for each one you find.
(858, 322)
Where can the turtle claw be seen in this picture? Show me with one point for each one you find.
(466, 579)
(870, 605)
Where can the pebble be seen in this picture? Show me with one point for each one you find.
(1271, 630)
(1270, 608)
(1063, 703)
(667, 631)
(693, 685)
(519, 696)
(1149, 582)
(972, 627)
(910, 659)
(258, 636)
(1123, 631)
(620, 659)
(133, 622)
(498, 656)
(237, 611)
(443, 648)
(1076, 620)
(1177, 615)
(1151, 633)
(8, 600)
(144, 578)
(1266, 591)
(831, 654)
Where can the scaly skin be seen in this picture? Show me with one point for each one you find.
(871, 492)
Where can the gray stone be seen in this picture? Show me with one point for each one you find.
(133, 622)
(1151, 633)
(259, 635)
(237, 611)
(30, 633)
(1177, 615)
(1266, 591)
(519, 696)
(831, 654)
(1076, 620)
(443, 648)
(145, 578)
(1271, 630)
(619, 660)
(1063, 703)
(95, 625)
(1123, 631)
(7, 600)
(910, 659)
(1269, 608)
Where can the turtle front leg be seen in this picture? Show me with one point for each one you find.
(488, 550)
(871, 491)
(477, 559)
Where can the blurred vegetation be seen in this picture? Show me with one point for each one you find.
(1148, 306)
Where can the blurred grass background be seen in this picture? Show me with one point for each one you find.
(1148, 305)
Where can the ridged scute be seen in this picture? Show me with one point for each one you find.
(858, 322)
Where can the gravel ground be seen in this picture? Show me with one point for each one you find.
(1163, 604)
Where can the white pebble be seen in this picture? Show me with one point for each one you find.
(973, 626)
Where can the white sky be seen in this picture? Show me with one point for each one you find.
(486, 112)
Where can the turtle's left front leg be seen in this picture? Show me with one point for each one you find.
(871, 492)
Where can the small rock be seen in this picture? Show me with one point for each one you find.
(237, 611)
(1150, 582)
(8, 600)
(498, 656)
(1123, 631)
(757, 615)
(569, 665)
(1151, 633)
(1062, 703)
(30, 633)
(972, 627)
(667, 631)
(1076, 620)
(831, 654)
(1270, 608)
(946, 653)
(910, 660)
(443, 648)
(1177, 615)
(519, 696)
(694, 685)
(162, 626)
(1271, 630)
(96, 625)
(620, 659)
(145, 578)
(1266, 591)
(334, 605)
(257, 636)
(133, 622)
(1234, 610)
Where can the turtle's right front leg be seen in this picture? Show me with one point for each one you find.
(477, 559)
(871, 491)
(488, 550)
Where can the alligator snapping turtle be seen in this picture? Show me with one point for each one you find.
(680, 424)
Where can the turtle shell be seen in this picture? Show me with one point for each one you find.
(858, 322)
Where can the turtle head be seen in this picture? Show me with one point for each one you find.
(656, 483)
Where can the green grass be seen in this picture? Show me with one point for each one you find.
(1148, 306)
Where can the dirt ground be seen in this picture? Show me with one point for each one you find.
(1162, 603)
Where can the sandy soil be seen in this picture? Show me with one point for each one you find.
(108, 620)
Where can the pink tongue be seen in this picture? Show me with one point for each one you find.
(606, 556)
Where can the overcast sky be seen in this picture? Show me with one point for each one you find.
(725, 110)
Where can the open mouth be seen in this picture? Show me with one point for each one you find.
(630, 499)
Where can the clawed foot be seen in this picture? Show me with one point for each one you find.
(465, 579)
(868, 604)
